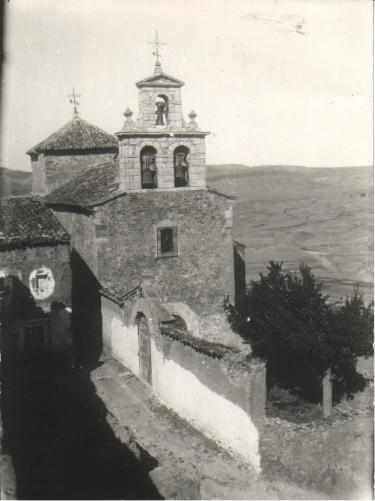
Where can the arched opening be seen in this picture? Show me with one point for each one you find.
(180, 323)
(181, 166)
(148, 167)
(161, 104)
(144, 348)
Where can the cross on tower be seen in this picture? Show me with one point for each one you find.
(156, 52)
(74, 100)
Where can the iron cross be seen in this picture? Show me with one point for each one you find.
(74, 100)
(157, 45)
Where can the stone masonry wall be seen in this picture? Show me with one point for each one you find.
(51, 171)
(130, 167)
(39, 183)
(81, 228)
(21, 262)
(147, 107)
(201, 275)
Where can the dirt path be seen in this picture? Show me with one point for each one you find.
(189, 464)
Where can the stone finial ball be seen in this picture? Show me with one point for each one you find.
(192, 115)
(128, 113)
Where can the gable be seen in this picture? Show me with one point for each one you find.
(160, 80)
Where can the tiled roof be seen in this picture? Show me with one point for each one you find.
(91, 187)
(77, 135)
(215, 350)
(26, 221)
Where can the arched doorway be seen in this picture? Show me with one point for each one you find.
(144, 348)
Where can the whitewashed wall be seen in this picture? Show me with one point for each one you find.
(123, 339)
(187, 382)
(214, 415)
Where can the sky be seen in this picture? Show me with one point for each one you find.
(275, 81)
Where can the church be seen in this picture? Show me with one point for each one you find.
(153, 260)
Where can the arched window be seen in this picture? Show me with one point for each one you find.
(181, 166)
(148, 167)
(161, 112)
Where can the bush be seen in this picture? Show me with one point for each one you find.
(291, 325)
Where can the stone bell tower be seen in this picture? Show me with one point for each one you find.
(159, 150)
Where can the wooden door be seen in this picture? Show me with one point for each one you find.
(144, 353)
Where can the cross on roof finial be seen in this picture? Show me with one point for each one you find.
(156, 53)
(74, 100)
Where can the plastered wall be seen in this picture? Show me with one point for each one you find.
(122, 340)
(186, 387)
(225, 401)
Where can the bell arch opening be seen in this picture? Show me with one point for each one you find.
(161, 112)
(181, 166)
(148, 167)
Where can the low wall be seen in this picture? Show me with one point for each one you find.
(333, 456)
(219, 396)
(217, 389)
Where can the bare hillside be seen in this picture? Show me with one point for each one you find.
(296, 214)
(14, 182)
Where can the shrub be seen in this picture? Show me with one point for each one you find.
(290, 324)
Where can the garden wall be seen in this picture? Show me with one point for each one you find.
(217, 394)
(219, 390)
(333, 456)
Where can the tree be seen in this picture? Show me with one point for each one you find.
(350, 336)
(292, 326)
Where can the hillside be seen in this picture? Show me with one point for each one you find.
(14, 182)
(298, 214)
(294, 214)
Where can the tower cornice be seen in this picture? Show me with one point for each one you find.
(165, 133)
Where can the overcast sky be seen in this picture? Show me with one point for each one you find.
(276, 82)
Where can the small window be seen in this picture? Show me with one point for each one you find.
(167, 242)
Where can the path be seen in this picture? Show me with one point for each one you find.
(190, 465)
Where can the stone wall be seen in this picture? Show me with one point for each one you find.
(39, 182)
(19, 263)
(333, 456)
(27, 317)
(147, 107)
(201, 275)
(53, 170)
(86, 317)
(130, 167)
(81, 228)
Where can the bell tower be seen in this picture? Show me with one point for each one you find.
(160, 150)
